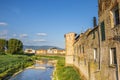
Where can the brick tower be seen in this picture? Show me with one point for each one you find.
(69, 41)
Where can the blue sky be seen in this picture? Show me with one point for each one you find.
(44, 22)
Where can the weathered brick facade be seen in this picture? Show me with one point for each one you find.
(109, 10)
(97, 51)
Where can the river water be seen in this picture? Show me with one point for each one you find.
(35, 73)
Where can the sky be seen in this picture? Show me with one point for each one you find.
(44, 22)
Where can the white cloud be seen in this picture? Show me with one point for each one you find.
(39, 40)
(41, 34)
(3, 24)
(3, 34)
(14, 35)
(23, 35)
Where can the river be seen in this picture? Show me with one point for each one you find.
(38, 72)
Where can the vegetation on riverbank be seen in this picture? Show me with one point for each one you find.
(14, 63)
(63, 72)
(9, 64)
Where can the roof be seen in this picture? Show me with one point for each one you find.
(82, 34)
(93, 30)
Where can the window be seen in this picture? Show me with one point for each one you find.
(116, 15)
(95, 54)
(93, 34)
(78, 61)
(113, 59)
(74, 58)
(102, 31)
(83, 49)
(84, 61)
(80, 48)
(75, 50)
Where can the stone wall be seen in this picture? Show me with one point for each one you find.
(84, 57)
(109, 71)
(69, 41)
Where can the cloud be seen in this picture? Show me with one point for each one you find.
(23, 35)
(41, 34)
(39, 40)
(3, 24)
(14, 35)
(3, 34)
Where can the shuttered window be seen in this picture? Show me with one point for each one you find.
(113, 59)
(116, 17)
(102, 31)
(95, 54)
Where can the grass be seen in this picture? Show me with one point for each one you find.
(9, 64)
(65, 72)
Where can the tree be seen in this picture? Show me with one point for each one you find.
(3, 45)
(15, 46)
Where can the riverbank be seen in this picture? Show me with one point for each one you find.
(61, 72)
(11, 64)
(22, 70)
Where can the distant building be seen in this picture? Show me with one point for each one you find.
(61, 52)
(31, 51)
(51, 51)
(41, 51)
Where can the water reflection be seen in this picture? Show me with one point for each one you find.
(35, 73)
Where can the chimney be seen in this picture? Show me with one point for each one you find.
(94, 22)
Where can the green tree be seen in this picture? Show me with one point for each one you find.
(3, 45)
(15, 46)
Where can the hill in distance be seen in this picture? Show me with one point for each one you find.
(39, 47)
